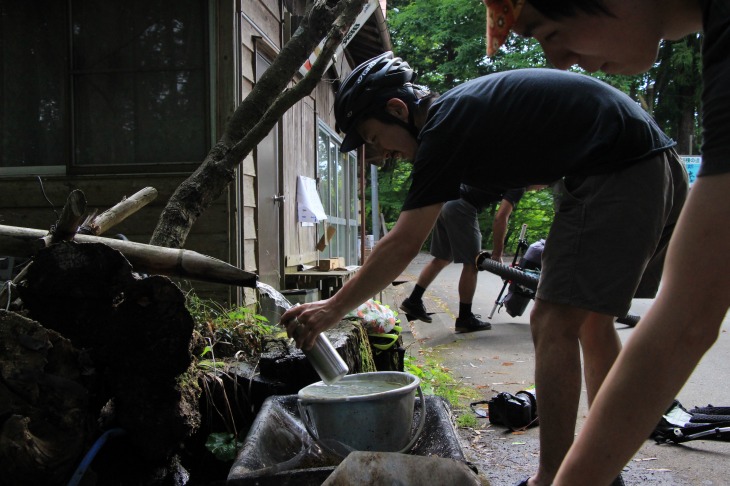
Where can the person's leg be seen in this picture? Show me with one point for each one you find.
(555, 332)
(600, 344)
(467, 321)
(413, 304)
(681, 325)
(441, 251)
(467, 284)
(431, 271)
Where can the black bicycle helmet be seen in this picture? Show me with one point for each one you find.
(368, 84)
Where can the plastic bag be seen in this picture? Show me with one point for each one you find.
(377, 318)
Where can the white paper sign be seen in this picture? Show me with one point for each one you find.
(309, 205)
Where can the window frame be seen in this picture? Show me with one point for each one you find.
(345, 197)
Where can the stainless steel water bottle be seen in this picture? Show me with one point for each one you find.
(325, 359)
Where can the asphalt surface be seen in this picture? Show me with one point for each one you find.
(502, 359)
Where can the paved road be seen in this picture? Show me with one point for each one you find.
(503, 360)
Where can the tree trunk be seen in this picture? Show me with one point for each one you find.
(256, 116)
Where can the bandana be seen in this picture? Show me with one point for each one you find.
(501, 16)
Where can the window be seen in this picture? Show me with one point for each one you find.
(102, 83)
(337, 173)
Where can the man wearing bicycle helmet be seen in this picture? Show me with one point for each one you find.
(621, 36)
(518, 129)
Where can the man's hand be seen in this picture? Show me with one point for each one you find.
(304, 322)
(496, 256)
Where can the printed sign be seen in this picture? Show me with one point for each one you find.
(367, 10)
(692, 164)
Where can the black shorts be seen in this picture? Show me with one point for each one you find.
(610, 235)
(456, 236)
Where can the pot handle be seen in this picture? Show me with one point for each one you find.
(421, 423)
(305, 420)
(330, 445)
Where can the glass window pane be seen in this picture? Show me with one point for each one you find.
(33, 69)
(323, 169)
(334, 189)
(342, 195)
(139, 81)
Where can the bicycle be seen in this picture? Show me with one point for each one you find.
(522, 278)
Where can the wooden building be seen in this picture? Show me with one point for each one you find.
(110, 97)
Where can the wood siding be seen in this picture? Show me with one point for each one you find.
(23, 204)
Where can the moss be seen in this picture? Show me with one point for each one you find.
(367, 364)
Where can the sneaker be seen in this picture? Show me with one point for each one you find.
(471, 324)
(619, 481)
(415, 309)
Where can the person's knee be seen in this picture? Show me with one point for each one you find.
(470, 268)
(550, 321)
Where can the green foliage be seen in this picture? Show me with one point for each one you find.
(466, 420)
(223, 445)
(437, 380)
(536, 209)
(393, 186)
(443, 40)
(239, 330)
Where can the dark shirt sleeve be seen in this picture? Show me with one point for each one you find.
(514, 195)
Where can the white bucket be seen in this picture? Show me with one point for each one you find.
(369, 241)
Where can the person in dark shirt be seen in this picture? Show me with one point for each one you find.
(622, 37)
(620, 184)
(457, 238)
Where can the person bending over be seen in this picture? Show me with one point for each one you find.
(621, 188)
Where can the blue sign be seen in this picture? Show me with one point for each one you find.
(692, 164)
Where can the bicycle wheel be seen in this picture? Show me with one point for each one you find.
(629, 319)
(509, 273)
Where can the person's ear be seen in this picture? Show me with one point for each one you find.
(397, 108)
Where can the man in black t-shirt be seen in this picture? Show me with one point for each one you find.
(620, 187)
(457, 238)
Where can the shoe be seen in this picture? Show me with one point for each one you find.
(523, 482)
(471, 324)
(619, 481)
(415, 309)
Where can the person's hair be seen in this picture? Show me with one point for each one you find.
(556, 10)
(418, 101)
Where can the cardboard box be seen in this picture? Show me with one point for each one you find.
(328, 264)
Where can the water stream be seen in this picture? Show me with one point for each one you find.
(277, 297)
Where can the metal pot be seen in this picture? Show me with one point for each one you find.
(377, 421)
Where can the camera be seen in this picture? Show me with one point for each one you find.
(514, 411)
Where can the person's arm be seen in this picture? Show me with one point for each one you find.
(389, 258)
(499, 228)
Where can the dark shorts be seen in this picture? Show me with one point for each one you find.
(456, 236)
(610, 235)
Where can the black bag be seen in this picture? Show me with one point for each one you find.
(516, 300)
(517, 411)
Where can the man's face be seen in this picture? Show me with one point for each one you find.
(625, 43)
(390, 140)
